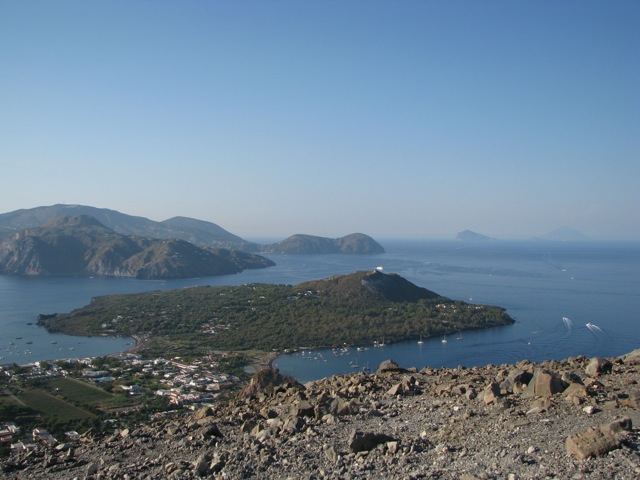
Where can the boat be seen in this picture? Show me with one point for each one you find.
(459, 337)
(420, 342)
(444, 339)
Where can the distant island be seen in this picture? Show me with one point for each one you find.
(198, 232)
(472, 236)
(357, 309)
(82, 246)
(356, 243)
(564, 234)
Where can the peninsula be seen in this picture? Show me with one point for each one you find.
(355, 309)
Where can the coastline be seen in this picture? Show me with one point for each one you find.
(261, 361)
(140, 343)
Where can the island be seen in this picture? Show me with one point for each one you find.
(356, 309)
(82, 246)
(197, 232)
(355, 243)
(470, 235)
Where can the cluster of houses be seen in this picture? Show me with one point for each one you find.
(184, 383)
(192, 383)
(12, 435)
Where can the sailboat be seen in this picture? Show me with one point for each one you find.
(420, 341)
(355, 364)
(459, 337)
(444, 339)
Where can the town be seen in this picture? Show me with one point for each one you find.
(42, 402)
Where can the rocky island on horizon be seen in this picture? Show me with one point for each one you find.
(470, 235)
(355, 243)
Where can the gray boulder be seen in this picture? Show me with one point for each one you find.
(598, 366)
(365, 442)
(388, 366)
(544, 384)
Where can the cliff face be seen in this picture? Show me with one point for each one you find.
(355, 243)
(568, 419)
(82, 246)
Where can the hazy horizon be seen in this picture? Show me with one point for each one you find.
(398, 120)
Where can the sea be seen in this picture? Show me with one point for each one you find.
(567, 299)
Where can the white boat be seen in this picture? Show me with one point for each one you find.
(444, 339)
(420, 342)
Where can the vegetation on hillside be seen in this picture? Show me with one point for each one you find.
(354, 309)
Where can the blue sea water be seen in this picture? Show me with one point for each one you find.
(594, 286)
(567, 299)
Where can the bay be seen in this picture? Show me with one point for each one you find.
(595, 286)
(567, 299)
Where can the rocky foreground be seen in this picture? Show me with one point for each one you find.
(573, 419)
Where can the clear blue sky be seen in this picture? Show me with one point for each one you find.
(393, 118)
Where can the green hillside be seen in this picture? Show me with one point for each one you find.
(355, 309)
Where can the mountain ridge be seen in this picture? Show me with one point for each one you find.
(198, 232)
(83, 246)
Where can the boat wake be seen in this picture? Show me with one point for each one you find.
(594, 328)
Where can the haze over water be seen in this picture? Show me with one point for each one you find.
(552, 290)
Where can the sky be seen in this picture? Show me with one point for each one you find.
(398, 119)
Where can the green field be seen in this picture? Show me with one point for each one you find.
(9, 400)
(83, 393)
(51, 406)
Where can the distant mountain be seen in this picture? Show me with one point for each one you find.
(473, 236)
(565, 234)
(356, 243)
(82, 246)
(370, 285)
(198, 232)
